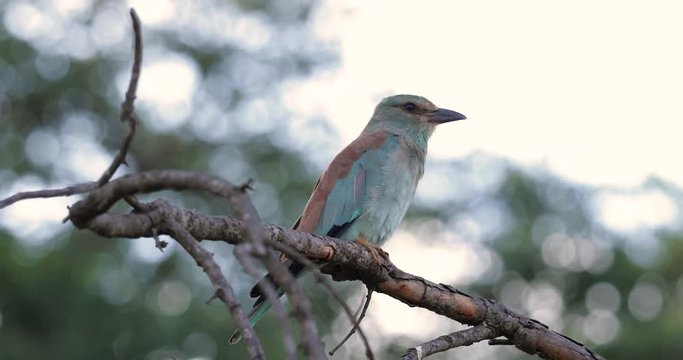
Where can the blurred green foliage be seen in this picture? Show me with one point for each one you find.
(73, 295)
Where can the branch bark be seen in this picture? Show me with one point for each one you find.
(465, 337)
(346, 260)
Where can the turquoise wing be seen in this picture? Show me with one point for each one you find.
(338, 200)
(347, 199)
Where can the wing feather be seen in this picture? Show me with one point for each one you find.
(341, 192)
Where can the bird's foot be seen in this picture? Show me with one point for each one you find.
(377, 253)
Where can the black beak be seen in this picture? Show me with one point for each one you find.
(440, 116)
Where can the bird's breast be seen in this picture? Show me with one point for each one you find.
(390, 200)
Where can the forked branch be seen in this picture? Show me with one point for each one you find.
(346, 261)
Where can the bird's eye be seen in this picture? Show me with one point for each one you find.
(409, 107)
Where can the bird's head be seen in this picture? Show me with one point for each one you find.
(410, 115)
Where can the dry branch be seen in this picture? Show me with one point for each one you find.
(346, 260)
(128, 104)
(223, 289)
(48, 193)
(464, 337)
(298, 257)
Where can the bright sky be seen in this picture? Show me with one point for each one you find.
(592, 90)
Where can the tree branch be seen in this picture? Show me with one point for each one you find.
(464, 337)
(224, 291)
(48, 193)
(356, 326)
(255, 246)
(346, 260)
(298, 257)
(127, 115)
(128, 105)
(268, 289)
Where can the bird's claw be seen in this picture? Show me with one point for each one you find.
(377, 253)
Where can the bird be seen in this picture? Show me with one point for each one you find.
(366, 190)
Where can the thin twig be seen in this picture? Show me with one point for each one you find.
(128, 105)
(223, 289)
(464, 337)
(158, 243)
(254, 247)
(356, 324)
(302, 305)
(298, 257)
(127, 114)
(48, 193)
(272, 296)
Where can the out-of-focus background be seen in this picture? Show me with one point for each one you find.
(561, 196)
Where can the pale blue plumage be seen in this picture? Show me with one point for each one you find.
(354, 199)
(365, 192)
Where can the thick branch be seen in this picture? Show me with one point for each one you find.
(99, 201)
(347, 260)
(102, 199)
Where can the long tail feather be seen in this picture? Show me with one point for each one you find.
(256, 313)
(261, 306)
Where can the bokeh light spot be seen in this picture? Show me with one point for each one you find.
(78, 43)
(52, 67)
(595, 256)
(83, 159)
(42, 147)
(634, 211)
(164, 353)
(173, 298)
(118, 286)
(560, 251)
(107, 29)
(200, 345)
(603, 296)
(71, 8)
(544, 303)
(26, 21)
(645, 301)
(601, 326)
(33, 222)
(167, 89)
(154, 12)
